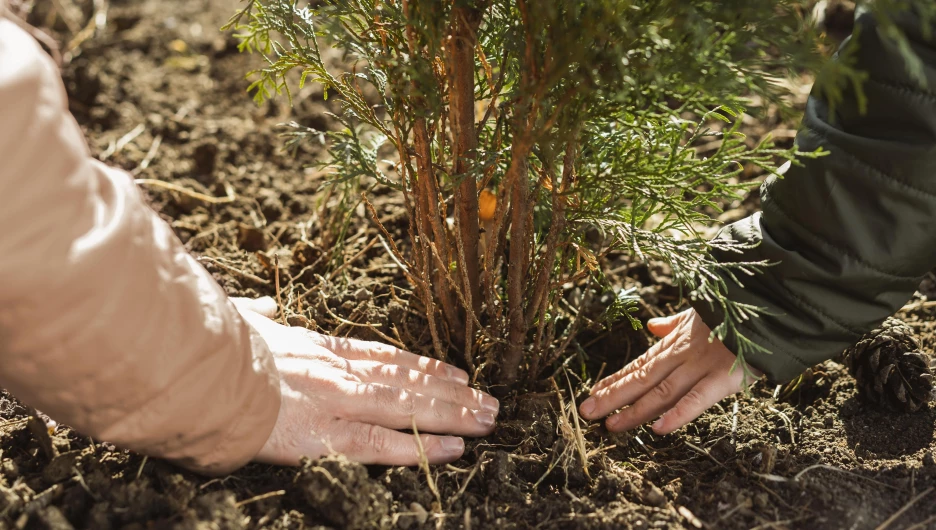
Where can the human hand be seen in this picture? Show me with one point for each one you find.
(349, 396)
(679, 377)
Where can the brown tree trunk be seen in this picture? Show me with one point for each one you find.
(431, 226)
(520, 211)
(461, 51)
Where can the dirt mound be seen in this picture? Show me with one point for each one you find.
(161, 94)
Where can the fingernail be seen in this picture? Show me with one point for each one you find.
(657, 425)
(484, 418)
(613, 422)
(452, 445)
(588, 407)
(457, 375)
(490, 404)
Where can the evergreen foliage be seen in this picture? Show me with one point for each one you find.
(578, 116)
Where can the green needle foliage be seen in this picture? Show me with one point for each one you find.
(573, 117)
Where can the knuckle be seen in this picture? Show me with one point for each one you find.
(663, 389)
(456, 394)
(641, 374)
(409, 403)
(439, 412)
(366, 438)
(637, 363)
(327, 386)
(392, 373)
(377, 439)
(400, 401)
(376, 350)
(690, 402)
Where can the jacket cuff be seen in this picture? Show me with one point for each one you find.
(252, 427)
(778, 365)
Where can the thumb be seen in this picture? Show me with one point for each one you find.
(663, 326)
(265, 305)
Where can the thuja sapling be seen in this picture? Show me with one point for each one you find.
(520, 127)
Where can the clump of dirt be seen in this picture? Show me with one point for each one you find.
(161, 94)
(344, 494)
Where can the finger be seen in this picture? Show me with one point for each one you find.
(640, 363)
(373, 444)
(265, 305)
(663, 326)
(627, 389)
(423, 383)
(703, 395)
(376, 351)
(396, 408)
(633, 381)
(628, 368)
(655, 402)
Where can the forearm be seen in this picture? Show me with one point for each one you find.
(107, 324)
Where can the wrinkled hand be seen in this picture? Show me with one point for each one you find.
(679, 377)
(349, 396)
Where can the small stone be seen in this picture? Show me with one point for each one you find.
(300, 321)
(929, 459)
(9, 469)
(205, 158)
(396, 312)
(251, 239)
(652, 495)
(62, 467)
(270, 205)
(421, 514)
(362, 294)
(761, 501)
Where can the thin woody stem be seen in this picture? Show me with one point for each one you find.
(521, 214)
(430, 225)
(461, 51)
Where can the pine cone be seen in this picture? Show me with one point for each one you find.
(891, 369)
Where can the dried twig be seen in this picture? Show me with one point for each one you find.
(424, 464)
(276, 285)
(142, 465)
(923, 524)
(95, 25)
(798, 476)
(901, 511)
(191, 193)
(149, 155)
(373, 328)
(702, 452)
(122, 142)
(347, 262)
(268, 495)
(243, 274)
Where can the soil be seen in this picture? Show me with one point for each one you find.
(160, 92)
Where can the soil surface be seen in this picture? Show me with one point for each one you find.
(160, 92)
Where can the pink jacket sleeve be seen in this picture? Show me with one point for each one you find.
(107, 324)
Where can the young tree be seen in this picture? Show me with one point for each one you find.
(522, 126)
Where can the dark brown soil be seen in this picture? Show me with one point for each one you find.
(162, 76)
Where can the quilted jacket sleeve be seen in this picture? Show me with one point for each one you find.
(107, 324)
(853, 232)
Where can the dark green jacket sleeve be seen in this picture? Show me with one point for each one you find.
(854, 231)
